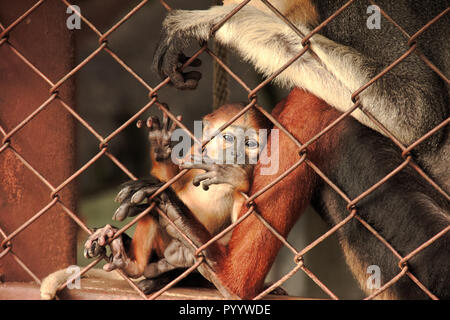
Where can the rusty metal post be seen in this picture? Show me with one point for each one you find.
(46, 142)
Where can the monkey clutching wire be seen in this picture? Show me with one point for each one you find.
(409, 101)
(228, 159)
(405, 202)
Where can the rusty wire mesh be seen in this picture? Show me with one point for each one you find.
(7, 136)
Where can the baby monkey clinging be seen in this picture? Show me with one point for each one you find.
(224, 168)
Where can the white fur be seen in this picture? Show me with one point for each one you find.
(255, 35)
(54, 280)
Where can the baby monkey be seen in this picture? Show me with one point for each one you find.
(224, 168)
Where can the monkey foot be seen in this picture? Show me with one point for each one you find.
(96, 242)
(96, 246)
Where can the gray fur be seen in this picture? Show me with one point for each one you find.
(409, 100)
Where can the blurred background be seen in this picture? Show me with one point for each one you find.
(107, 96)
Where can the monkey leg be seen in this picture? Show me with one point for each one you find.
(96, 242)
(157, 274)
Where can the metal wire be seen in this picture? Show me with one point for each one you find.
(7, 242)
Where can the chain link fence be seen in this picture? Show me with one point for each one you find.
(8, 136)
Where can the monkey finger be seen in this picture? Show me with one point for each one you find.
(130, 187)
(123, 194)
(99, 234)
(93, 251)
(192, 75)
(165, 122)
(153, 123)
(191, 165)
(135, 210)
(174, 124)
(142, 194)
(108, 267)
(180, 82)
(196, 63)
(185, 81)
(122, 212)
(208, 182)
(203, 176)
(118, 258)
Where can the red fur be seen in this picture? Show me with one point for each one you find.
(253, 248)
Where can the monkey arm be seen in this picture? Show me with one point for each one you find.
(268, 43)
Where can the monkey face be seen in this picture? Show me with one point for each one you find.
(234, 145)
(241, 142)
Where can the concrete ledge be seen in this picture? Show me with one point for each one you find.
(99, 289)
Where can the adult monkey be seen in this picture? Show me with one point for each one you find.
(409, 100)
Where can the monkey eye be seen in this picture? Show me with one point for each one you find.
(251, 144)
(228, 137)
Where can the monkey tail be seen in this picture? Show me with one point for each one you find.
(53, 281)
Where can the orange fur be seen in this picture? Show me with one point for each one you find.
(297, 11)
(304, 115)
(147, 238)
(303, 11)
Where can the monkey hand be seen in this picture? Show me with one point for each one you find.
(96, 246)
(132, 194)
(159, 136)
(232, 174)
(169, 59)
